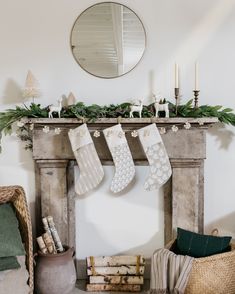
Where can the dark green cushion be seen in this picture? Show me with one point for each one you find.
(197, 245)
(10, 239)
(7, 263)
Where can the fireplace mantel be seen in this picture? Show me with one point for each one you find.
(183, 193)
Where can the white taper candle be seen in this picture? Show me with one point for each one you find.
(176, 75)
(196, 76)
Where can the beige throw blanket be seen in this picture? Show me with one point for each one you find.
(169, 272)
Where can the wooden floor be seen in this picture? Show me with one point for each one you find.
(81, 285)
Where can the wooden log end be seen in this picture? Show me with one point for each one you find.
(111, 287)
(115, 260)
(124, 270)
(130, 280)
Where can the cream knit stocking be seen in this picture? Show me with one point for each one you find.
(160, 168)
(120, 151)
(91, 170)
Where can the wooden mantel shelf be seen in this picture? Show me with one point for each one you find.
(174, 120)
(183, 144)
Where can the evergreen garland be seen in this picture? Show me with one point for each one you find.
(94, 111)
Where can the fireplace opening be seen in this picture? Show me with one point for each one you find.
(131, 222)
(128, 223)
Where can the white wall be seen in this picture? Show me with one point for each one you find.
(35, 35)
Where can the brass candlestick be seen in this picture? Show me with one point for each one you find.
(196, 94)
(177, 95)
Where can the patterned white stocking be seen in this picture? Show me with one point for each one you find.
(160, 167)
(122, 158)
(91, 170)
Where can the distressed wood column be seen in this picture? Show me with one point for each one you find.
(71, 228)
(187, 195)
(52, 187)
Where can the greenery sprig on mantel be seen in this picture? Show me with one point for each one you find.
(94, 111)
(225, 115)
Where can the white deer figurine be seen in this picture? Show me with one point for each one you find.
(54, 108)
(159, 106)
(137, 108)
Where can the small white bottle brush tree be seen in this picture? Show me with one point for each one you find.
(31, 89)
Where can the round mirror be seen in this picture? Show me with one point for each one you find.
(108, 40)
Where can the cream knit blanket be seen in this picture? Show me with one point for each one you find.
(169, 272)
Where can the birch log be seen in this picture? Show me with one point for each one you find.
(115, 260)
(54, 234)
(119, 288)
(130, 280)
(115, 270)
(50, 245)
(48, 231)
(42, 245)
(46, 226)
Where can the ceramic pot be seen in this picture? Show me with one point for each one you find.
(55, 273)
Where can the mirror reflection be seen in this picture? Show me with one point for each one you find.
(108, 40)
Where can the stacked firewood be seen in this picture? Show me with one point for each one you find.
(115, 273)
(49, 242)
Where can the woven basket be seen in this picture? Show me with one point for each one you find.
(16, 195)
(213, 274)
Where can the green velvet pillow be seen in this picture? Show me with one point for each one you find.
(10, 239)
(197, 245)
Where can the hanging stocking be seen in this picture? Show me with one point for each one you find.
(120, 151)
(160, 168)
(91, 170)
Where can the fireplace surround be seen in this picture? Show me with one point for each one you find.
(183, 193)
